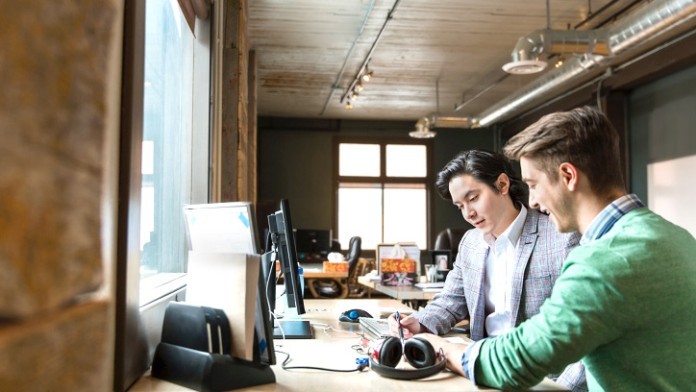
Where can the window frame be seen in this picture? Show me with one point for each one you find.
(138, 327)
(382, 179)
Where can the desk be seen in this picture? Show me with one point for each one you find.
(314, 271)
(413, 296)
(332, 348)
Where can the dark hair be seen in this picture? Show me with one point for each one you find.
(485, 167)
(583, 136)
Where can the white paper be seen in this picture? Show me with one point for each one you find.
(227, 281)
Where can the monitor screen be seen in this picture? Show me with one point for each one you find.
(313, 245)
(282, 238)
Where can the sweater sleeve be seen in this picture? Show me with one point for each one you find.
(583, 312)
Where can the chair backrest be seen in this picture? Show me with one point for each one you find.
(449, 239)
(354, 248)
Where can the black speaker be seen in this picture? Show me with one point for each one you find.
(386, 353)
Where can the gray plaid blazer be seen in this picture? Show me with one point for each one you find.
(540, 252)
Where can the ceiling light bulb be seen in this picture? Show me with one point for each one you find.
(349, 105)
(353, 96)
(367, 76)
(359, 87)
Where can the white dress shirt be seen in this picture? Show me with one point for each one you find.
(500, 266)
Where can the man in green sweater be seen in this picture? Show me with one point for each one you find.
(625, 302)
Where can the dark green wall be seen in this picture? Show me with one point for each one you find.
(448, 143)
(662, 118)
(296, 162)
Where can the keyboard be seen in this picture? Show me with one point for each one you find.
(375, 327)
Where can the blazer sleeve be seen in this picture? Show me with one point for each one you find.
(449, 306)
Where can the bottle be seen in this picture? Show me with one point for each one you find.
(300, 270)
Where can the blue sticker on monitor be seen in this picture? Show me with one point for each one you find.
(262, 345)
(244, 219)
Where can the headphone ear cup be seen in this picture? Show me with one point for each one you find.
(391, 351)
(419, 353)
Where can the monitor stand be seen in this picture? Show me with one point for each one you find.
(293, 329)
(293, 326)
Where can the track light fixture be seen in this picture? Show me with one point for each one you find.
(363, 73)
(349, 105)
(357, 86)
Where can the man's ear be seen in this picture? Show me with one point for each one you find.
(569, 175)
(503, 184)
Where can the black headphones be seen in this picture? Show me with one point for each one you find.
(386, 353)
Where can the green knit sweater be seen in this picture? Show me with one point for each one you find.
(625, 304)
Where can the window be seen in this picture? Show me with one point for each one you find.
(170, 124)
(382, 192)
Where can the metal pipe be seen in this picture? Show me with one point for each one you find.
(652, 20)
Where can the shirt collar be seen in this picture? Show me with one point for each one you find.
(513, 232)
(606, 218)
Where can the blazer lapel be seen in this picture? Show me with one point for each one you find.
(526, 245)
(477, 309)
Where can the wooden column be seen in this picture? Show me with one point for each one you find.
(234, 132)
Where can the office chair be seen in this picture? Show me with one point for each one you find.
(334, 288)
(449, 239)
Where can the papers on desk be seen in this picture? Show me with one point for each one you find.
(435, 286)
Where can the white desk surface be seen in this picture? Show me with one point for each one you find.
(331, 348)
(403, 293)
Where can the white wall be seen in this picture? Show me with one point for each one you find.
(672, 191)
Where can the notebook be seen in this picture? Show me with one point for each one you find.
(375, 327)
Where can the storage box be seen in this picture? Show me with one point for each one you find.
(341, 266)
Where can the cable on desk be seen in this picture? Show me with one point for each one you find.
(362, 364)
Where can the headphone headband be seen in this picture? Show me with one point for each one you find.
(407, 374)
(386, 353)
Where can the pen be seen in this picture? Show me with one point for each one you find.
(401, 329)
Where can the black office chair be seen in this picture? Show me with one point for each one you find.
(449, 239)
(334, 288)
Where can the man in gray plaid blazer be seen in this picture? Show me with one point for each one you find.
(506, 266)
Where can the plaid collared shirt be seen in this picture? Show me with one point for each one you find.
(606, 218)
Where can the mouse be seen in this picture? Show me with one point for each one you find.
(353, 315)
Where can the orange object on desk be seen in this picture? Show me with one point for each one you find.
(398, 265)
(341, 266)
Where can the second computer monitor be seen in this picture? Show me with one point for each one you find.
(313, 245)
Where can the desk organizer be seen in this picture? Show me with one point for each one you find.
(182, 357)
(204, 371)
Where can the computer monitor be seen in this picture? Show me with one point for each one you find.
(313, 245)
(283, 249)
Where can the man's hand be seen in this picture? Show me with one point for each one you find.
(453, 351)
(410, 325)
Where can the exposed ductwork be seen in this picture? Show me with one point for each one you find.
(598, 47)
(426, 124)
(526, 54)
